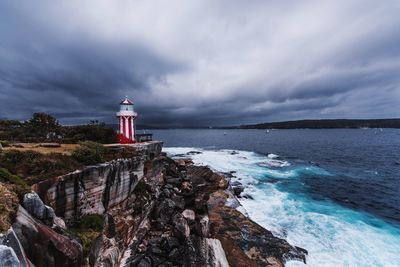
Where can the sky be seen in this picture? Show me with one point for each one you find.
(198, 62)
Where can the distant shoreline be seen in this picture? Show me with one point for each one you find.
(326, 124)
(300, 124)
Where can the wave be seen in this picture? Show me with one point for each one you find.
(333, 235)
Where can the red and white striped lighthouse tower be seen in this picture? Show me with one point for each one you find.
(126, 117)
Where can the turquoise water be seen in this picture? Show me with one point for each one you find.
(280, 200)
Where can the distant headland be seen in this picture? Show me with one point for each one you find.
(324, 124)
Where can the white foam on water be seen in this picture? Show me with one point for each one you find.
(332, 234)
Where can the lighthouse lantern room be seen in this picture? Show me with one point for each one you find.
(126, 117)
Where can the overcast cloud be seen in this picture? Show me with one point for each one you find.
(187, 63)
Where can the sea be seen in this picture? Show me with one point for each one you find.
(334, 192)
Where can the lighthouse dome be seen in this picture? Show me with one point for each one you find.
(126, 108)
(126, 102)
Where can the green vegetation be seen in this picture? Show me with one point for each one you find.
(89, 227)
(34, 167)
(90, 153)
(16, 183)
(7, 177)
(93, 222)
(4, 143)
(45, 128)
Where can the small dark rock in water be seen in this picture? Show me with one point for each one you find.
(193, 153)
(237, 188)
(247, 196)
(234, 153)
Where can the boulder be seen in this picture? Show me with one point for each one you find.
(237, 188)
(11, 240)
(174, 181)
(179, 202)
(50, 248)
(8, 258)
(165, 211)
(189, 215)
(35, 206)
(181, 227)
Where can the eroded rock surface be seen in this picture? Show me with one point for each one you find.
(157, 211)
(44, 246)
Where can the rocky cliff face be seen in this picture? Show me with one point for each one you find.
(158, 212)
(97, 189)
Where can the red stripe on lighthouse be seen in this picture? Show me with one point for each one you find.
(123, 126)
(130, 127)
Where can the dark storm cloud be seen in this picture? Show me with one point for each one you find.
(198, 63)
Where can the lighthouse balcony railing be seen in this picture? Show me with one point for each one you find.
(126, 113)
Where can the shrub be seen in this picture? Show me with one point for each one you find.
(90, 153)
(4, 143)
(8, 207)
(18, 185)
(7, 177)
(89, 227)
(91, 222)
(34, 166)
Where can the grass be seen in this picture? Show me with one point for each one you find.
(34, 167)
(89, 227)
(65, 149)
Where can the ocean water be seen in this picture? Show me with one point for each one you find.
(335, 193)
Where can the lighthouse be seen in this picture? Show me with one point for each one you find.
(126, 117)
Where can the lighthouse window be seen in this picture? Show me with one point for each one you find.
(126, 108)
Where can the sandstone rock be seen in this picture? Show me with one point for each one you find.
(237, 188)
(92, 190)
(181, 226)
(8, 258)
(174, 181)
(165, 211)
(205, 225)
(145, 262)
(189, 214)
(50, 248)
(215, 254)
(11, 240)
(179, 202)
(35, 206)
(187, 186)
(60, 222)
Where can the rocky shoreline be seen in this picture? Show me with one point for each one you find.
(157, 212)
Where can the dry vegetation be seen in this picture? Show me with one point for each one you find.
(8, 207)
(65, 149)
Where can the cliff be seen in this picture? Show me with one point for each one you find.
(157, 212)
